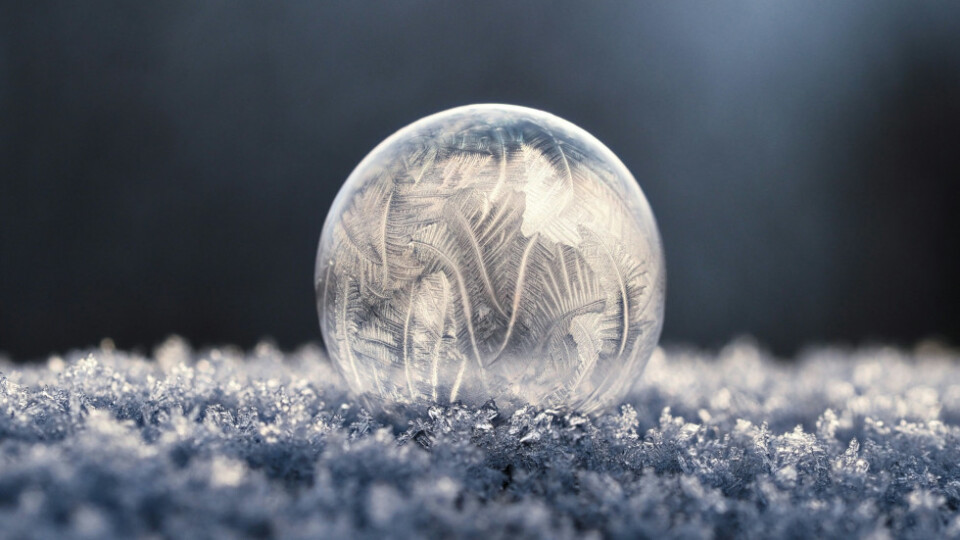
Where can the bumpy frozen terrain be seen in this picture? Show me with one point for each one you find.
(221, 443)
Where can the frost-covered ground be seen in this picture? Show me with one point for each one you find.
(222, 443)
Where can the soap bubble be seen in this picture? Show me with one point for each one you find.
(490, 252)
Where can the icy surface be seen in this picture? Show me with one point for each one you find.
(490, 251)
(220, 443)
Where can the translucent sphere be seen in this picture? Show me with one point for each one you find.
(490, 252)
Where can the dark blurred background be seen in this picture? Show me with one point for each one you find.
(165, 167)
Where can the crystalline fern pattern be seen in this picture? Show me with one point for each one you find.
(491, 252)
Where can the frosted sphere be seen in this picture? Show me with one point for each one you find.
(490, 251)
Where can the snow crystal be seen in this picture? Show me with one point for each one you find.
(225, 443)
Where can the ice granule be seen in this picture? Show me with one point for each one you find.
(225, 443)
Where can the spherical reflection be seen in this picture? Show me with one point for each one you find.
(490, 251)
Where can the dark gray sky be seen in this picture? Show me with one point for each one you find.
(165, 167)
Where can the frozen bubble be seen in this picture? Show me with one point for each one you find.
(490, 251)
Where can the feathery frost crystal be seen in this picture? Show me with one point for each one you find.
(490, 251)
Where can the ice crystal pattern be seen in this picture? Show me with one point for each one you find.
(481, 238)
(223, 443)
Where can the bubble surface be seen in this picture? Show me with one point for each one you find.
(490, 252)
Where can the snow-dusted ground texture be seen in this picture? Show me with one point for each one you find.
(222, 443)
